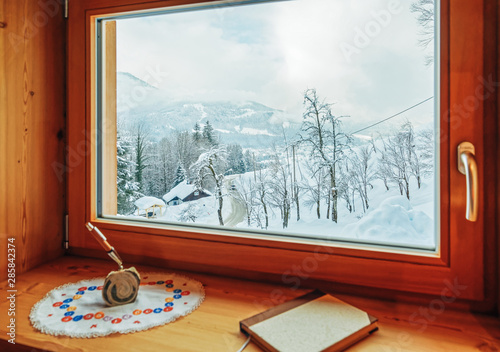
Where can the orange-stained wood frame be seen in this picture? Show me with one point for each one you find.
(109, 130)
(461, 258)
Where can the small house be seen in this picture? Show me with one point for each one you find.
(185, 192)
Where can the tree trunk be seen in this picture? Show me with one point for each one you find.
(329, 205)
(407, 189)
(265, 208)
(362, 201)
(366, 196)
(285, 220)
(334, 206)
(265, 212)
(386, 185)
(219, 211)
(334, 193)
(296, 189)
(286, 210)
(297, 202)
(353, 201)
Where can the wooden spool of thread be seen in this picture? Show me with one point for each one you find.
(121, 287)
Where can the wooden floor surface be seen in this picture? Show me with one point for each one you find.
(214, 326)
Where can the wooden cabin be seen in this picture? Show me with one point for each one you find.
(447, 300)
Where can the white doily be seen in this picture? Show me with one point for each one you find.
(78, 309)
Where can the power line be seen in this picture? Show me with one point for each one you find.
(390, 117)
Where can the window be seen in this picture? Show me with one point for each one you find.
(459, 255)
(238, 101)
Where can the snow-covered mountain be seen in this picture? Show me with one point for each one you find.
(251, 124)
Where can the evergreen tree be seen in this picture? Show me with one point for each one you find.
(235, 160)
(242, 167)
(197, 133)
(249, 161)
(141, 158)
(127, 188)
(209, 134)
(180, 175)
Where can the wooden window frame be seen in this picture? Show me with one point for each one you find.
(465, 248)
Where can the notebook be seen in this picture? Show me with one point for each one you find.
(312, 322)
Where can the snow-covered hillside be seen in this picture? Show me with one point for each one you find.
(248, 123)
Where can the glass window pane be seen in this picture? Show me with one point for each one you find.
(310, 118)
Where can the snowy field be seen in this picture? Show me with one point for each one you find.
(392, 220)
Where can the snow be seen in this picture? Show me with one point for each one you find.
(362, 136)
(204, 208)
(201, 109)
(254, 131)
(391, 219)
(394, 221)
(148, 202)
(245, 114)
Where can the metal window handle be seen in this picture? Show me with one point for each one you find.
(467, 166)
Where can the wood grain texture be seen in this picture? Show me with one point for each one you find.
(109, 128)
(496, 181)
(215, 325)
(491, 147)
(32, 104)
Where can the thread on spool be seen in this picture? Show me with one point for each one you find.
(121, 287)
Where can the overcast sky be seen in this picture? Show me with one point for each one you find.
(272, 52)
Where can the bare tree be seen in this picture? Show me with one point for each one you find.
(346, 187)
(211, 165)
(160, 172)
(313, 186)
(296, 188)
(362, 172)
(262, 186)
(280, 184)
(245, 195)
(322, 133)
(398, 158)
(186, 150)
(425, 152)
(425, 18)
(384, 173)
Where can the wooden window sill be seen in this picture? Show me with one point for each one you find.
(214, 326)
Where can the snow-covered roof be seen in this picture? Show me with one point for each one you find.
(181, 191)
(148, 202)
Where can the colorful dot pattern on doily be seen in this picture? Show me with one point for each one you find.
(68, 316)
(77, 307)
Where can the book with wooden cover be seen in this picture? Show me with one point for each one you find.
(312, 322)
